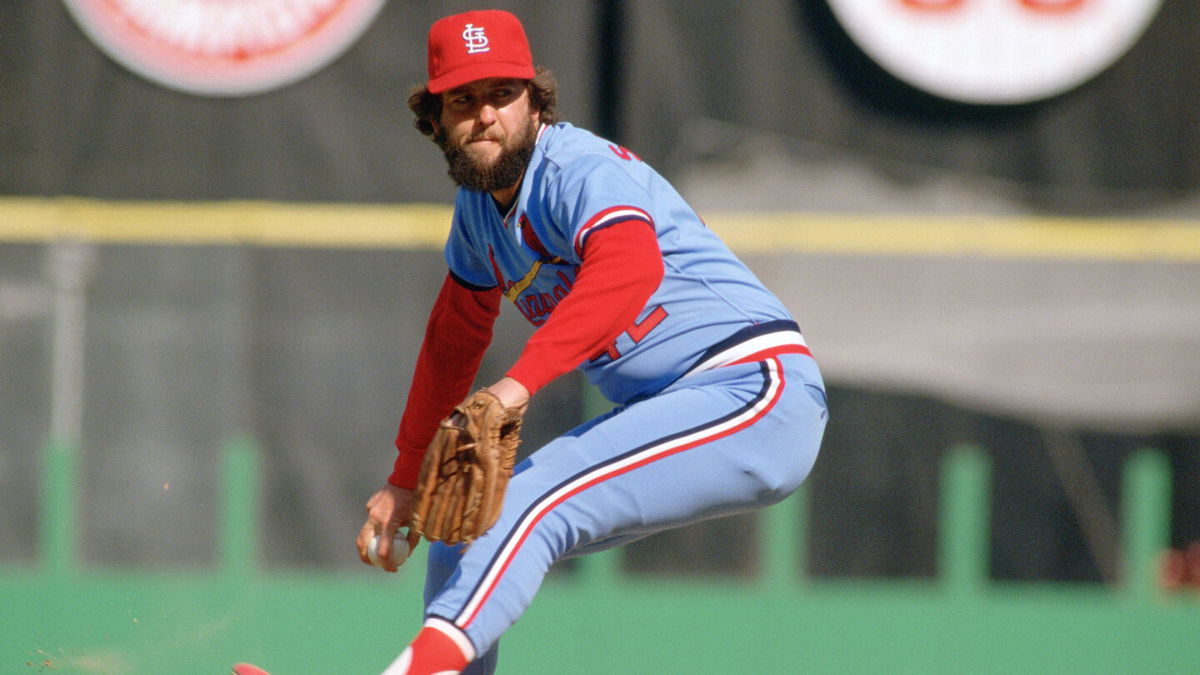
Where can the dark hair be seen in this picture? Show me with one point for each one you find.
(543, 94)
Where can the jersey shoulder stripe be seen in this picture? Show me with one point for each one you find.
(607, 218)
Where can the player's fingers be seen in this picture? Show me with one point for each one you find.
(385, 545)
(365, 535)
(395, 555)
(385, 560)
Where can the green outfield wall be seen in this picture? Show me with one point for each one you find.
(60, 616)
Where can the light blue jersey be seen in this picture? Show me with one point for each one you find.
(577, 184)
(722, 407)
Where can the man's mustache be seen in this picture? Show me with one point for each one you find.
(482, 137)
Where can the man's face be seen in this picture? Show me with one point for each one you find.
(487, 131)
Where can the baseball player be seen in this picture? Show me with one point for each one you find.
(720, 406)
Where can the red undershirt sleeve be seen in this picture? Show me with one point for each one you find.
(622, 267)
(456, 337)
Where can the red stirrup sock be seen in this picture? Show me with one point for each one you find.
(440, 647)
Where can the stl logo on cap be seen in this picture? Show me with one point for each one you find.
(475, 38)
(475, 46)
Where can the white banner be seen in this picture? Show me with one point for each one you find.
(224, 47)
(995, 51)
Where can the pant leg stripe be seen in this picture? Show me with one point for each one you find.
(755, 409)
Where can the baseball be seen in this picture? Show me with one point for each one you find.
(399, 550)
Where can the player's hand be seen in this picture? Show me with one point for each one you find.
(387, 512)
(512, 394)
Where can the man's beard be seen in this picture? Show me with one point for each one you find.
(506, 171)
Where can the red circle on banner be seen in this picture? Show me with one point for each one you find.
(224, 47)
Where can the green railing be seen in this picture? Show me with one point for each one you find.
(60, 616)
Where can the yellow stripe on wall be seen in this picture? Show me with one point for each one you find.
(424, 226)
(985, 236)
(233, 222)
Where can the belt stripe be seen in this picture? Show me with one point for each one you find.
(754, 344)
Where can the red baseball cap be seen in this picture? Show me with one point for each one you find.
(476, 45)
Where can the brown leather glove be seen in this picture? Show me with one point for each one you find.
(466, 470)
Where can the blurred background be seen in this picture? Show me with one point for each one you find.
(1014, 273)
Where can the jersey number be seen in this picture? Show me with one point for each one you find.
(636, 332)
